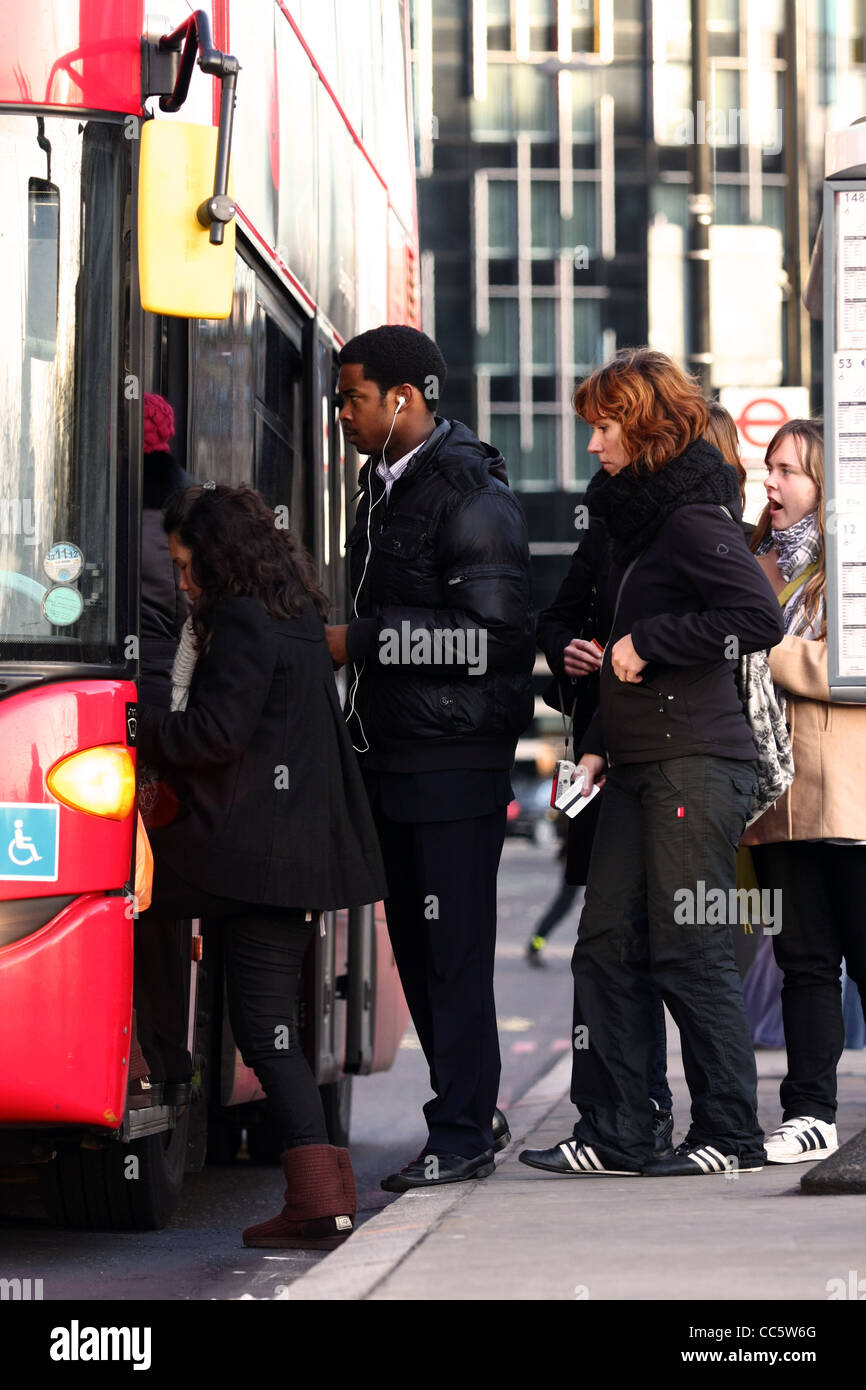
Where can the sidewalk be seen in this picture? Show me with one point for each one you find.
(523, 1234)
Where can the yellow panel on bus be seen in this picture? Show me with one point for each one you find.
(180, 272)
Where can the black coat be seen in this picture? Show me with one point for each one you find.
(449, 553)
(273, 807)
(694, 599)
(583, 607)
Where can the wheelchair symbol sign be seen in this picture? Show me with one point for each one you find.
(28, 841)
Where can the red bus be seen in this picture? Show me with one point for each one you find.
(323, 204)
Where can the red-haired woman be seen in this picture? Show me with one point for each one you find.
(672, 741)
(810, 846)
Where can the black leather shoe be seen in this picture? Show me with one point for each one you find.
(701, 1160)
(434, 1170)
(663, 1132)
(501, 1132)
(572, 1159)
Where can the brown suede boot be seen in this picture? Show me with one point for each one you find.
(320, 1202)
(349, 1190)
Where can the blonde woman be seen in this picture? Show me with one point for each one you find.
(812, 844)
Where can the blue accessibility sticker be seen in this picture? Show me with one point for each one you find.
(29, 835)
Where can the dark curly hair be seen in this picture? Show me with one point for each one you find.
(396, 353)
(238, 550)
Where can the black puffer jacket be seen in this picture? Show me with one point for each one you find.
(449, 555)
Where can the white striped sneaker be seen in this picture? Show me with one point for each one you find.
(573, 1160)
(801, 1140)
(694, 1160)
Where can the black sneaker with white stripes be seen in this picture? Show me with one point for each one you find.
(702, 1160)
(574, 1160)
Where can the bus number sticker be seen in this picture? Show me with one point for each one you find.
(29, 836)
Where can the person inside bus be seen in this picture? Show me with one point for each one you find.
(274, 825)
(439, 556)
(160, 988)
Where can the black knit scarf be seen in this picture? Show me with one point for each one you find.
(636, 504)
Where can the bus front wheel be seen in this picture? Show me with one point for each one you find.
(122, 1187)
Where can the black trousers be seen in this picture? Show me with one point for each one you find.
(823, 891)
(441, 913)
(664, 827)
(263, 950)
(658, 1080)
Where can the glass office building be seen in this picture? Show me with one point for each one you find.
(556, 149)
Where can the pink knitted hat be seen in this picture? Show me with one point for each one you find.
(158, 424)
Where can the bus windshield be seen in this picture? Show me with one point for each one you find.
(64, 209)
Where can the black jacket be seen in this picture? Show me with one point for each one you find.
(449, 555)
(583, 607)
(273, 807)
(694, 599)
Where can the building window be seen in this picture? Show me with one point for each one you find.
(520, 99)
(552, 234)
(499, 26)
(543, 335)
(723, 28)
(499, 349)
(587, 335)
(531, 469)
(584, 123)
(542, 25)
(502, 217)
(584, 465)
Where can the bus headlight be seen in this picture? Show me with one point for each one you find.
(99, 780)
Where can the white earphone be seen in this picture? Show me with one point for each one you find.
(401, 401)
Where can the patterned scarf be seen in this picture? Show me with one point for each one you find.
(796, 547)
(184, 666)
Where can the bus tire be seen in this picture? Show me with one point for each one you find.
(337, 1105)
(122, 1187)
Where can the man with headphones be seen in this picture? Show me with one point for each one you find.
(439, 556)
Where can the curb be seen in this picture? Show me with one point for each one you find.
(353, 1271)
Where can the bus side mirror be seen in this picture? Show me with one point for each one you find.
(181, 272)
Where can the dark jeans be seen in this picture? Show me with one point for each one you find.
(823, 891)
(664, 827)
(659, 1089)
(441, 912)
(264, 949)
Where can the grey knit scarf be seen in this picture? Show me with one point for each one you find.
(797, 547)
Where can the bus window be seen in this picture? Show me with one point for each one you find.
(247, 400)
(279, 459)
(64, 188)
(222, 422)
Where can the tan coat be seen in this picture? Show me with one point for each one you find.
(827, 799)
